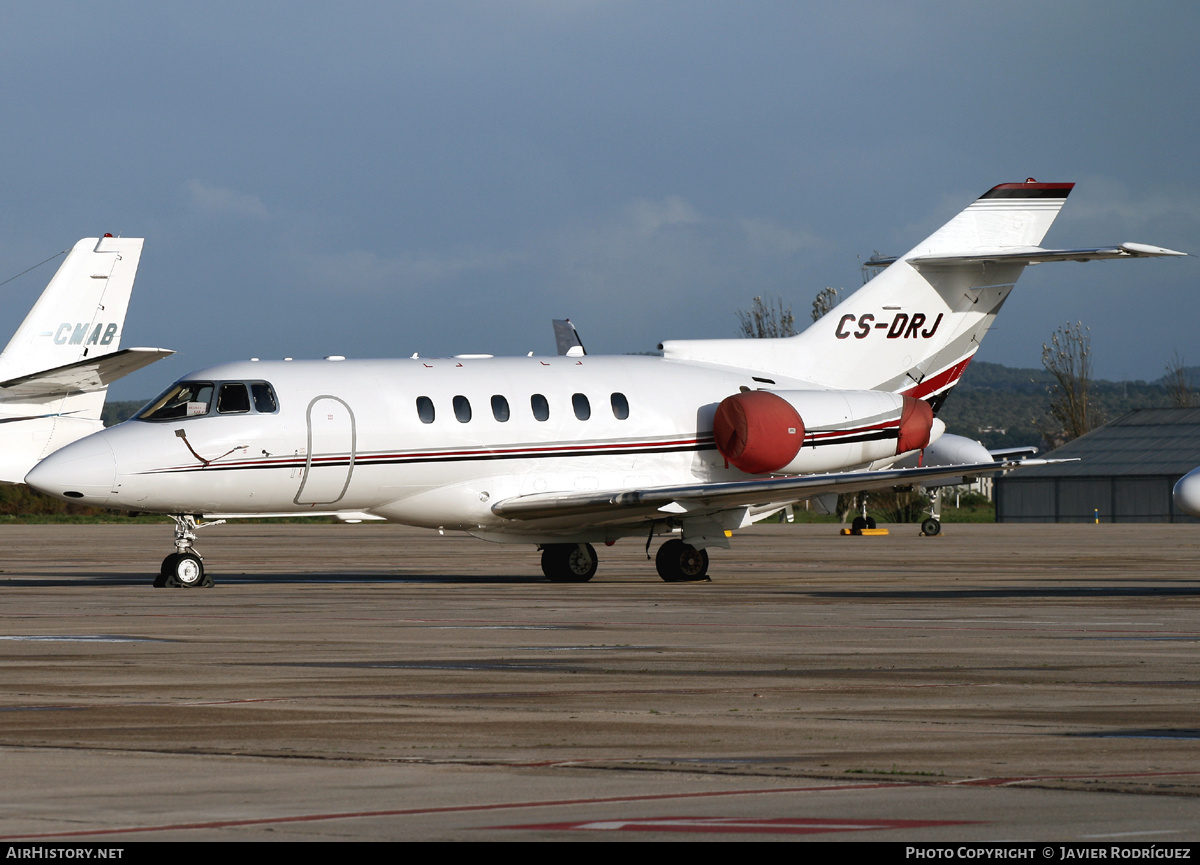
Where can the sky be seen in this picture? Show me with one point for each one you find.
(445, 177)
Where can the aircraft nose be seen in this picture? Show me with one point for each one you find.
(1187, 493)
(82, 472)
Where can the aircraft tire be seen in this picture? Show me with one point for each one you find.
(569, 563)
(678, 562)
(185, 570)
(931, 527)
(859, 524)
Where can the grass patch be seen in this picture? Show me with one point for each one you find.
(895, 771)
(21, 505)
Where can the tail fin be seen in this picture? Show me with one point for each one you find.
(81, 313)
(913, 328)
(52, 381)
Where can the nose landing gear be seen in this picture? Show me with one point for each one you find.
(184, 569)
(932, 525)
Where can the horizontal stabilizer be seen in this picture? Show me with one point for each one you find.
(1037, 255)
(1013, 453)
(700, 498)
(83, 376)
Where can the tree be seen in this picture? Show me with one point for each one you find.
(1068, 358)
(900, 506)
(1179, 383)
(771, 319)
(825, 300)
(767, 319)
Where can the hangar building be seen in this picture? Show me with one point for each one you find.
(1125, 473)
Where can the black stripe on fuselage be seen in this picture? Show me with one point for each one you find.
(437, 458)
(874, 436)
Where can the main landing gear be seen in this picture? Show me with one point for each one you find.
(931, 526)
(862, 521)
(676, 562)
(184, 569)
(569, 563)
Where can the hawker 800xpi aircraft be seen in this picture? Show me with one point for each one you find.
(57, 367)
(568, 451)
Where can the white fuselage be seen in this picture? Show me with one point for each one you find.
(348, 436)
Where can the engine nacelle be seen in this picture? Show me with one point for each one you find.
(758, 431)
(800, 431)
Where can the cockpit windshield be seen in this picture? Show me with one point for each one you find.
(186, 399)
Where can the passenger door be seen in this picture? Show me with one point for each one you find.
(331, 449)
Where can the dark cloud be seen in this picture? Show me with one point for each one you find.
(381, 178)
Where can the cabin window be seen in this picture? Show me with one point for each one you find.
(462, 409)
(182, 400)
(500, 408)
(583, 409)
(620, 406)
(541, 408)
(232, 398)
(425, 409)
(264, 397)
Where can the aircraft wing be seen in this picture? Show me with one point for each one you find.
(1037, 255)
(82, 376)
(701, 498)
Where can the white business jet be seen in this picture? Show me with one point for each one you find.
(568, 451)
(57, 367)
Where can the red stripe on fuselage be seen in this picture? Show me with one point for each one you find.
(939, 382)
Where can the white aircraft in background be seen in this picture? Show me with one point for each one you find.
(1186, 493)
(567, 451)
(57, 367)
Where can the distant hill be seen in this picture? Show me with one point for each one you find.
(121, 410)
(1004, 406)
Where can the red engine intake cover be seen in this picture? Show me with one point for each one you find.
(916, 420)
(758, 431)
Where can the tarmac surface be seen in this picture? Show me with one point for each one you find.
(373, 682)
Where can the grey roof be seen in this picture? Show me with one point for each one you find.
(1148, 441)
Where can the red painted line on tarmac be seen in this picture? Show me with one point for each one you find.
(449, 809)
(773, 826)
(1004, 782)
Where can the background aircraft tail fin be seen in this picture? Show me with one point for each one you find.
(566, 338)
(55, 371)
(81, 313)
